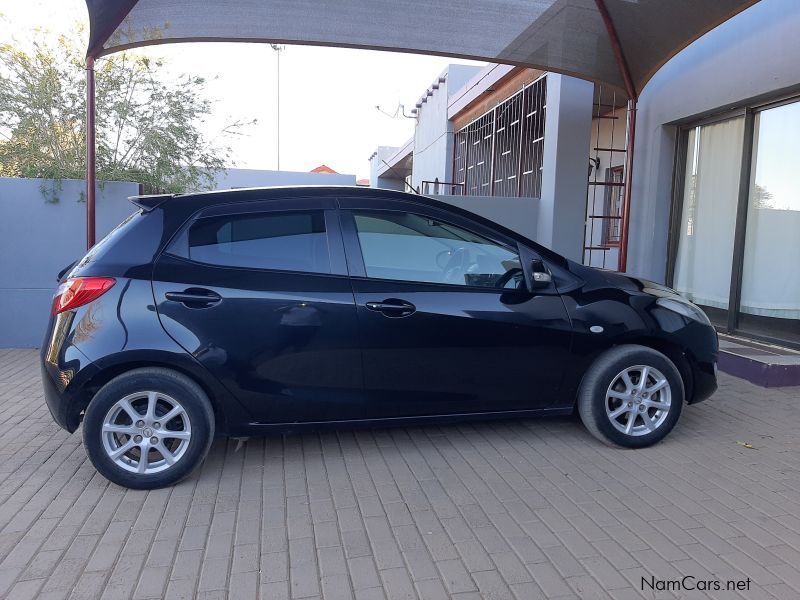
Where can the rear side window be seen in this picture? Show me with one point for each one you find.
(286, 241)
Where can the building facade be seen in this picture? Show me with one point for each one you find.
(716, 197)
(715, 208)
(504, 142)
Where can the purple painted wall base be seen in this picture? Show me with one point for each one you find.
(758, 372)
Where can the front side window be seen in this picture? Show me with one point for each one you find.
(409, 247)
(290, 241)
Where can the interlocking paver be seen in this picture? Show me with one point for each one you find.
(519, 509)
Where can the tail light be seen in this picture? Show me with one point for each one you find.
(77, 291)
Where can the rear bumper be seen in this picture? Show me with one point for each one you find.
(54, 398)
(65, 371)
(64, 393)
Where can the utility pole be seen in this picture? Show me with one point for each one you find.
(278, 49)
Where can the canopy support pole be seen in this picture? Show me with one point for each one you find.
(91, 164)
(630, 89)
(626, 190)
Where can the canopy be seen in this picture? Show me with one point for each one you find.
(621, 43)
(617, 42)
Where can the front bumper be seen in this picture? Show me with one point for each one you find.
(704, 379)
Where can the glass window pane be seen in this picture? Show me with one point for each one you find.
(770, 303)
(410, 247)
(281, 241)
(708, 220)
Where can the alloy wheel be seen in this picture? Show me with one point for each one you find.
(638, 400)
(146, 432)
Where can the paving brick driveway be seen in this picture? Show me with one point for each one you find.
(525, 509)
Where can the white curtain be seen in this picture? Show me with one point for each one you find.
(705, 248)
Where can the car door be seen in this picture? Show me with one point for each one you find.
(258, 293)
(447, 323)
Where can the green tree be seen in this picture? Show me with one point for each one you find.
(762, 197)
(148, 125)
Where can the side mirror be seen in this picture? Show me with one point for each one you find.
(540, 276)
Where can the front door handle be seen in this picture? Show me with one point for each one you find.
(194, 297)
(392, 307)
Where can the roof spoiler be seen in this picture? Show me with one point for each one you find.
(150, 201)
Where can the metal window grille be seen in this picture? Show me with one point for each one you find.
(500, 152)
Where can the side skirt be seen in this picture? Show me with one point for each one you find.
(257, 429)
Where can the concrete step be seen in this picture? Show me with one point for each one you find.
(763, 364)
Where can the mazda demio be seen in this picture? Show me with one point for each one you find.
(249, 312)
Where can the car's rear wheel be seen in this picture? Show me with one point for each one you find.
(631, 396)
(148, 428)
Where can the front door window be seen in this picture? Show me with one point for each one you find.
(409, 247)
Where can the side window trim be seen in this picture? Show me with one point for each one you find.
(352, 246)
(336, 252)
(270, 205)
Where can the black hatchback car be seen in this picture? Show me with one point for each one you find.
(254, 311)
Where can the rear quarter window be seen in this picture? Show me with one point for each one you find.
(285, 241)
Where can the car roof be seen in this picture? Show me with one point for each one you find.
(212, 197)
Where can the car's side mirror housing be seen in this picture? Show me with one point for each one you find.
(540, 276)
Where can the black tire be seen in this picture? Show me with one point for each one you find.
(604, 372)
(191, 398)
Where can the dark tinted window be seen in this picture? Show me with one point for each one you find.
(291, 241)
(409, 247)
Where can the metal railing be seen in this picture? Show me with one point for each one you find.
(444, 188)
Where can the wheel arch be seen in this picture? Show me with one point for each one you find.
(671, 350)
(216, 395)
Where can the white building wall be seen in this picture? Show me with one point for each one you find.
(565, 165)
(433, 134)
(247, 178)
(752, 56)
(390, 180)
(518, 214)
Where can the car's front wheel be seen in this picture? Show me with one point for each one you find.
(148, 428)
(631, 396)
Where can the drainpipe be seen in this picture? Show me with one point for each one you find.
(626, 190)
(630, 89)
(91, 164)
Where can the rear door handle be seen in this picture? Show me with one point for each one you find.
(194, 297)
(392, 307)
